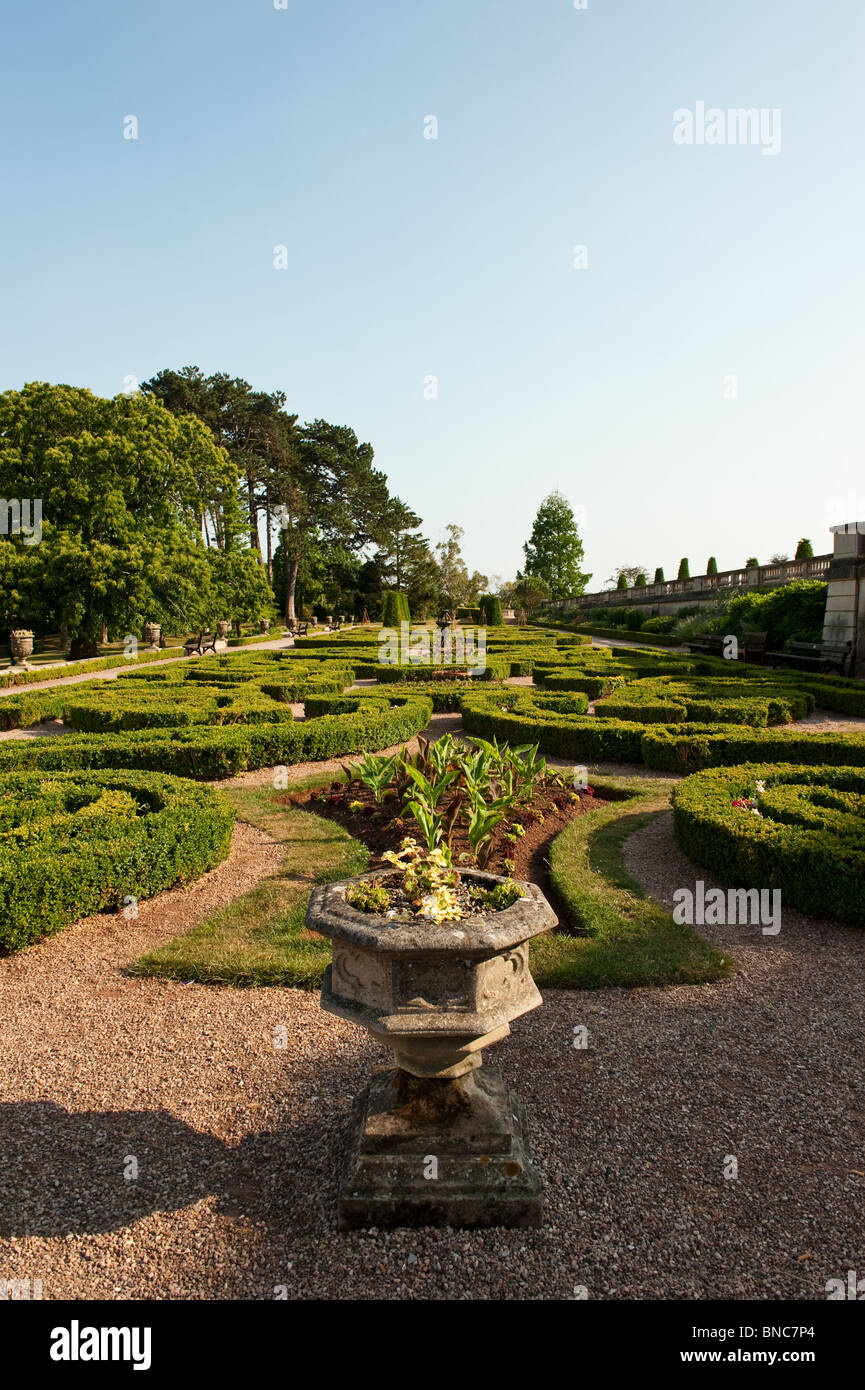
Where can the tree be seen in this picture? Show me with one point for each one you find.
(640, 581)
(240, 589)
(622, 581)
(325, 486)
(659, 576)
(491, 610)
(554, 549)
(530, 592)
(122, 484)
(779, 558)
(752, 563)
(711, 565)
(804, 550)
(458, 588)
(631, 574)
(248, 423)
(684, 570)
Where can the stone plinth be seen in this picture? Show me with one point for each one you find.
(844, 619)
(438, 1140)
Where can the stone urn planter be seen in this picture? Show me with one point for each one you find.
(438, 1140)
(265, 624)
(152, 635)
(20, 643)
(222, 628)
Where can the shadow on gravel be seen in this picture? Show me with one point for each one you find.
(70, 1173)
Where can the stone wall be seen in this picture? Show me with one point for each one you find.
(845, 597)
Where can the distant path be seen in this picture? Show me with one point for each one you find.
(111, 672)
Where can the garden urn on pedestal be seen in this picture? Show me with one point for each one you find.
(437, 1140)
(265, 624)
(20, 644)
(152, 634)
(222, 628)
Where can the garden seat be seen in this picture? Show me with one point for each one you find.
(197, 646)
(706, 642)
(754, 646)
(820, 656)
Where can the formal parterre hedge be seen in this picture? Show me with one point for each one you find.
(522, 717)
(72, 843)
(205, 751)
(808, 839)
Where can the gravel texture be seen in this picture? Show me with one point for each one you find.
(234, 1103)
(237, 1138)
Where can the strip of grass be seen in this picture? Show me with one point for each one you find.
(260, 938)
(629, 939)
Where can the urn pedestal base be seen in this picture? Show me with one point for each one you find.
(428, 1152)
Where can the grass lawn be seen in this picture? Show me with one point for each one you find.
(260, 938)
(629, 939)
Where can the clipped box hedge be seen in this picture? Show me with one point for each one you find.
(78, 842)
(661, 700)
(558, 733)
(686, 748)
(205, 752)
(808, 841)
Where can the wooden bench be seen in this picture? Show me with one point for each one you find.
(755, 646)
(820, 656)
(197, 646)
(301, 630)
(706, 642)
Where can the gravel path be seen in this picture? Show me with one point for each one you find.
(237, 1140)
(270, 644)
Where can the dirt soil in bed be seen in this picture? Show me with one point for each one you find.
(382, 828)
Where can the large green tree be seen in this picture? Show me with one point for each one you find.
(554, 550)
(123, 484)
(254, 429)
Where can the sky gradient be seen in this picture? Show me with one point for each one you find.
(407, 257)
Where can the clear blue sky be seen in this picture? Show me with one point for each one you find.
(411, 257)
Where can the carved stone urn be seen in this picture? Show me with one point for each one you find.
(222, 628)
(20, 644)
(265, 624)
(439, 1140)
(152, 635)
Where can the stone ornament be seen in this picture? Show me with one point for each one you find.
(439, 1139)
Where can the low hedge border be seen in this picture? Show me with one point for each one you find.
(81, 856)
(708, 701)
(581, 737)
(808, 841)
(689, 748)
(206, 752)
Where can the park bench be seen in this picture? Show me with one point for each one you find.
(301, 630)
(820, 656)
(335, 627)
(197, 646)
(754, 646)
(706, 642)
